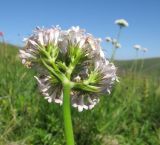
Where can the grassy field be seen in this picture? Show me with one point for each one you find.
(129, 116)
(151, 66)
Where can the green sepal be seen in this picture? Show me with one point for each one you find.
(53, 71)
(62, 65)
(94, 77)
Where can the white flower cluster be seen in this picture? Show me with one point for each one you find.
(61, 50)
(114, 42)
(140, 48)
(122, 23)
(144, 49)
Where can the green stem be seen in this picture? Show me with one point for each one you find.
(136, 62)
(114, 48)
(142, 63)
(67, 114)
(113, 54)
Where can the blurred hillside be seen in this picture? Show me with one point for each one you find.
(151, 66)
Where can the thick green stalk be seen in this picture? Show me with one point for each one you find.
(67, 114)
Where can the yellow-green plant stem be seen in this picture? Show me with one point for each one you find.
(67, 114)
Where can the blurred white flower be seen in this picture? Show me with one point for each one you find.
(54, 53)
(108, 39)
(114, 41)
(144, 49)
(118, 45)
(137, 47)
(122, 23)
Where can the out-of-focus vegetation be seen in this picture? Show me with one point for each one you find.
(149, 66)
(129, 116)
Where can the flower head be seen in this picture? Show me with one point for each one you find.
(115, 43)
(122, 23)
(118, 45)
(137, 47)
(108, 39)
(144, 49)
(74, 55)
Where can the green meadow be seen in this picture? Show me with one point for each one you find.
(130, 115)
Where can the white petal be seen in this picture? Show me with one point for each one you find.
(40, 38)
(80, 108)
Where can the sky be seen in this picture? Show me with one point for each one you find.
(19, 17)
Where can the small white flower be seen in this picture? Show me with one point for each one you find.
(114, 41)
(137, 47)
(108, 39)
(122, 23)
(77, 78)
(144, 49)
(48, 99)
(24, 55)
(118, 45)
(50, 91)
